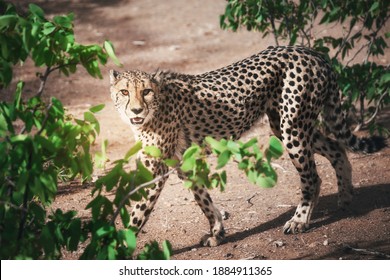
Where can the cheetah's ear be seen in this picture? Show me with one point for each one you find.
(114, 75)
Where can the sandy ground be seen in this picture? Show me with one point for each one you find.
(184, 36)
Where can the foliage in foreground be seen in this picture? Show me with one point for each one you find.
(41, 143)
(131, 185)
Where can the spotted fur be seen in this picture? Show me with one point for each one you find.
(291, 85)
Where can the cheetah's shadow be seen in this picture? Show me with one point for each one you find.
(365, 200)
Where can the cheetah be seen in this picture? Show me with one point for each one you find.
(292, 85)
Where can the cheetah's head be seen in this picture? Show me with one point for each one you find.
(135, 96)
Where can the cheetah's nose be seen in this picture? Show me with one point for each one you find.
(137, 110)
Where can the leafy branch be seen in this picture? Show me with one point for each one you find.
(132, 185)
(48, 142)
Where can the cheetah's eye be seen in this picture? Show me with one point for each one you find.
(124, 91)
(145, 92)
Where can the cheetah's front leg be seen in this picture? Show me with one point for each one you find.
(141, 210)
(217, 232)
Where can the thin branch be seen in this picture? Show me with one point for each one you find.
(345, 39)
(43, 79)
(357, 52)
(305, 35)
(372, 118)
(11, 183)
(144, 185)
(46, 119)
(62, 65)
(13, 206)
(275, 33)
(45, 75)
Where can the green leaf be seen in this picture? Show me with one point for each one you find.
(36, 10)
(75, 230)
(95, 206)
(233, 147)
(38, 212)
(188, 164)
(8, 21)
(250, 143)
(46, 144)
(97, 108)
(101, 157)
(125, 216)
(5, 73)
(218, 146)
(152, 151)
(19, 138)
(28, 40)
(257, 152)
(171, 162)
(191, 151)
(111, 250)
(242, 165)
(293, 39)
(188, 184)
(3, 124)
(111, 178)
(265, 182)
(223, 158)
(18, 95)
(374, 6)
(133, 150)
(46, 238)
(128, 236)
(167, 249)
(104, 231)
(48, 28)
(275, 147)
(111, 53)
(385, 78)
(89, 117)
(57, 107)
(64, 21)
(252, 176)
(143, 175)
(49, 185)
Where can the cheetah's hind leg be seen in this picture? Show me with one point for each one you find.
(302, 155)
(337, 156)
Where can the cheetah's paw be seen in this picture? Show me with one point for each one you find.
(293, 226)
(210, 241)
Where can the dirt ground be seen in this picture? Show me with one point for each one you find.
(184, 36)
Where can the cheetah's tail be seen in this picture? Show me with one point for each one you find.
(336, 121)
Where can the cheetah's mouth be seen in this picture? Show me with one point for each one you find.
(137, 121)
